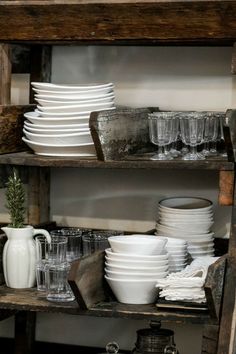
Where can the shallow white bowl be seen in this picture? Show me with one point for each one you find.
(136, 263)
(179, 232)
(35, 118)
(127, 256)
(134, 270)
(70, 87)
(138, 244)
(78, 108)
(130, 291)
(75, 113)
(55, 131)
(60, 139)
(136, 276)
(30, 125)
(81, 150)
(186, 204)
(50, 102)
(201, 247)
(74, 96)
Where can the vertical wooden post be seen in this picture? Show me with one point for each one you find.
(40, 65)
(5, 74)
(38, 195)
(25, 322)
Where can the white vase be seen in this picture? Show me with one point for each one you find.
(19, 256)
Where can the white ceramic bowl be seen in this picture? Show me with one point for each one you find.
(138, 244)
(127, 256)
(136, 263)
(78, 108)
(134, 270)
(130, 291)
(201, 247)
(136, 276)
(55, 130)
(60, 139)
(81, 150)
(177, 232)
(77, 96)
(186, 204)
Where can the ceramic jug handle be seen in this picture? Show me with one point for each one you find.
(42, 232)
(170, 349)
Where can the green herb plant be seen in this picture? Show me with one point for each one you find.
(15, 200)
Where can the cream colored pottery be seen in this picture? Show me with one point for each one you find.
(19, 256)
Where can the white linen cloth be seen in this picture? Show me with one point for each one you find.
(188, 284)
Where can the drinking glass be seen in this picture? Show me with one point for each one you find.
(220, 135)
(161, 132)
(74, 241)
(192, 132)
(97, 240)
(48, 253)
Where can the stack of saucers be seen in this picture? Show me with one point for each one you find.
(59, 126)
(190, 219)
(177, 253)
(132, 266)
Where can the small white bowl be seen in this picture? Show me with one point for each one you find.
(136, 276)
(130, 291)
(137, 263)
(186, 204)
(134, 270)
(60, 139)
(127, 256)
(138, 244)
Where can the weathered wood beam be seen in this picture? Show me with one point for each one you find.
(38, 195)
(124, 21)
(40, 65)
(226, 188)
(210, 339)
(5, 74)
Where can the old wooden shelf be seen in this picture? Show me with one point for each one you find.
(118, 21)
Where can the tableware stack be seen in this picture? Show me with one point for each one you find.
(177, 254)
(59, 126)
(132, 266)
(190, 219)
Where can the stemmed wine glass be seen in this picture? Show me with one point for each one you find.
(220, 135)
(210, 132)
(192, 132)
(162, 133)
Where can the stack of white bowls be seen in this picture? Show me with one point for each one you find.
(59, 126)
(190, 219)
(177, 253)
(132, 266)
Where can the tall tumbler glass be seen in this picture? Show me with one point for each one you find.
(192, 132)
(74, 241)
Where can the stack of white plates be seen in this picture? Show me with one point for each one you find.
(177, 254)
(59, 126)
(132, 266)
(190, 219)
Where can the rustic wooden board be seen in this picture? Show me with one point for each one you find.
(226, 187)
(121, 132)
(214, 285)
(109, 21)
(5, 74)
(11, 122)
(210, 339)
(86, 279)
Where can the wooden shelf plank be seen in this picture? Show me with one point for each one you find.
(114, 21)
(29, 159)
(33, 300)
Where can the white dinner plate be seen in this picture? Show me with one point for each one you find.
(77, 108)
(80, 150)
(74, 97)
(28, 124)
(70, 114)
(35, 118)
(70, 87)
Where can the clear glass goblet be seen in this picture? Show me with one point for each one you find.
(210, 131)
(192, 132)
(161, 131)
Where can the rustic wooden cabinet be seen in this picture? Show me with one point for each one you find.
(39, 24)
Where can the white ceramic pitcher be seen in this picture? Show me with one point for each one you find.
(19, 256)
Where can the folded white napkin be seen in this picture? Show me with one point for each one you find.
(188, 284)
